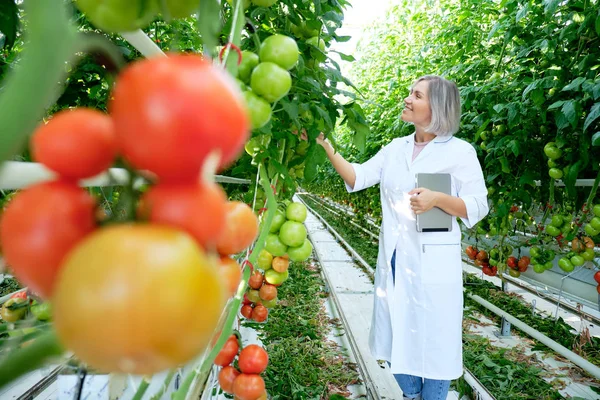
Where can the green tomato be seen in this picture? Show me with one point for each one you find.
(507, 250)
(276, 278)
(281, 50)
(549, 264)
(595, 222)
(182, 8)
(539, 268)
(270, 81)
(555, 173)
(589, 229)
(253, 295)
(577, 261)
(303, 31)
(292, 233)
(514, 273)
(300, 253)
(552, 164)
(278, 220)
(494, 253)
(588, 254)
(565, 264)
(275, 246)
(552, 152)
(258, 108)
(119, 15)
(296, 212)
(557, 221)
(249, 61)
(246, 3)
(9, 314)
(264, 3)
(269, 303)
(596, 210)
(43, 311)
(493, 262)
(265, 260)
(318, 43)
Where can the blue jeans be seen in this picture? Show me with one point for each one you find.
(430, 389)
(412, 386)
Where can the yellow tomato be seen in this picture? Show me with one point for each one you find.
(137, 299)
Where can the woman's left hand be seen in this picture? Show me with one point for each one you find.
(422, 200)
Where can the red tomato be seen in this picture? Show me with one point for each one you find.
(227, 376)
(241, 228)
(260, 313)
(253, 359)
(40, 226)
(246, 311)
(597, 277)
(228, 352)
(248, 386)
(198, 209)
(171, 112)
(512, 262)
(76, 144)
(232, 273)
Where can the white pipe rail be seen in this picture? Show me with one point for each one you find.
(581, 362)
(18, 174)
(143, 43)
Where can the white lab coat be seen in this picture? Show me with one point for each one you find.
(417, 324)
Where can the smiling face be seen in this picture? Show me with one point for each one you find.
(417, 109)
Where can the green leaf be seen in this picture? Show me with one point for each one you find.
(513, 145)
(360, 136)
(597, 25)
(291, 109)
(570, 112)
(209, 25)
(345, 57)
(592, 116)
(523, 12)
(551, 5)
(528, 178)
(557, 104)
(341, 39)
(596, 139)
(575, 84)
(9, 22)
(505, 165)
(316, 155)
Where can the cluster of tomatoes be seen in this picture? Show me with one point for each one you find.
(268, 76)
(481, 259)
(287, 241)
(244, 382)
(178, 119)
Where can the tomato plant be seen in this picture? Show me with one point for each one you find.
(76, 143)
(159, 125)
(105, 309)
(40, 226)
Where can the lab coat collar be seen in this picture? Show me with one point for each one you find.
(438, 139)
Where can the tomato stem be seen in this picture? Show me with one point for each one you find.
(590, 200)
(164, 386)
(141, 389)
(30, 357)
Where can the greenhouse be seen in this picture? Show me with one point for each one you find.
(299, 199)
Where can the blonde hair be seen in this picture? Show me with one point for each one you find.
(444, 101)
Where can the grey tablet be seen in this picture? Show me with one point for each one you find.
(435, 220)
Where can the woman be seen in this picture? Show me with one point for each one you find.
(418, 301)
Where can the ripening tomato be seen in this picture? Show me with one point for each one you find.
(227, 376)
(197, 208)
(256, 280)
(260, 313)
(248, 386)
(232, 274)
(76, 144)
(171, 112)
(280, 264)
(268, 292)
(253, 359)
(106, 308)
(228, 352)
(39, 226)
(246, 311)
(241, 228)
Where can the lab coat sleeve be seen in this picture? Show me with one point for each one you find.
(471, 188)
(369, 172)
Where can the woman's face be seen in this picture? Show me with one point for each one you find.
(416, 106)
